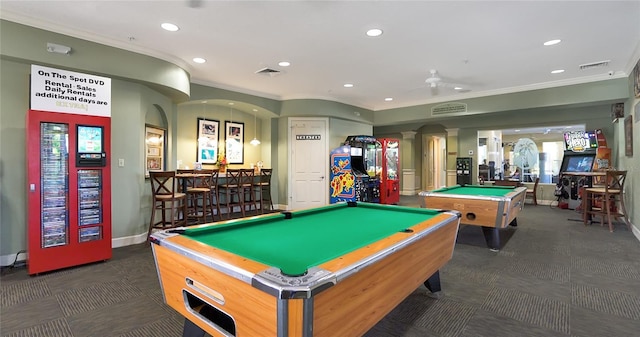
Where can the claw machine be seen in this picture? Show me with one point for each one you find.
(68, 170)
(389, 178)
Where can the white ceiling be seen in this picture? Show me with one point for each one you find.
(488, 47)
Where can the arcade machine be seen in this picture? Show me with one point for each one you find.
(342, 178)
(363, 152)
(579, 157)
(463, 171)
(389, 179)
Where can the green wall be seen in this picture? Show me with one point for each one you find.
(148, 90)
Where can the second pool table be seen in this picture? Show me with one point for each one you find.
(491, 207)
(324, 272)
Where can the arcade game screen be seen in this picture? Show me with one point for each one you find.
(579, 163)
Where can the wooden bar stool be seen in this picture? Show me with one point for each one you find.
(199, 196)
(215, 194)
(166, 199)
(608, 200)
(263, 190)
(231, 190)
(246, 188)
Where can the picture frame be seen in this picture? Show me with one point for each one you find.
(234, 142)
(208, 135)
(155, 144)
(636, 79)
(628, 136)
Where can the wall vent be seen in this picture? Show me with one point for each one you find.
(594, 65)
(268, 72)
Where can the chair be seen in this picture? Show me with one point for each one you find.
(533, 193)
(199, 203)
(231, 189)
(215, 193)
(166, 199)
(246, 188)
(603, 201)
(262, 189)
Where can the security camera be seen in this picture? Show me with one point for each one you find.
(610, 72)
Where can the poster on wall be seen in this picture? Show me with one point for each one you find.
(234, 140)
(207, 141)
(70, 92)
(628, 136)
(636, 79)
(155, 146)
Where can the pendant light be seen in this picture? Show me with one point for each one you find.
(254, 141)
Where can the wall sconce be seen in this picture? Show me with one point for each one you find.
(58, 48)
(254, 141)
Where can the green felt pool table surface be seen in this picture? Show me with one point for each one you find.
(310, 237)
(477, 190)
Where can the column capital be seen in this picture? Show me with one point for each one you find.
(452, 132)
(408, 134)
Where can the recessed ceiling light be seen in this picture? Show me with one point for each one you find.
(516, 130)
(374, 32)
(199, 60)
(457, 88)
(284, 64)
(388, 99)
(557, 71)
(348, 85)
(170, 27)
(551, 42)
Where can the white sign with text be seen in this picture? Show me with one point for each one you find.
(70, 92)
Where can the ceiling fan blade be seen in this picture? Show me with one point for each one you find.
(195, 3)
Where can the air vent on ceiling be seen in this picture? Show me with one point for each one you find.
(594, 65)
(268, 72)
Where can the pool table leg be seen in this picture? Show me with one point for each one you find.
(514, 223)
(492, 237)
(433, 282)
(191, 330)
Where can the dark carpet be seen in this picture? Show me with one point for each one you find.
(552, 277)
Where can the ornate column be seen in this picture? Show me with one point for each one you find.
(452, 154)
(408, 163)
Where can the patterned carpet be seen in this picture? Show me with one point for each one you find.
(553, 277)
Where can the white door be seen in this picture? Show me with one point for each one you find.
(308, 162)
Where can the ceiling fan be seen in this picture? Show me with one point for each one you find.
(195, 3)
(436, 81)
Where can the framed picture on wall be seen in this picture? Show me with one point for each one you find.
(207, 150)
(628, 136)
(234, 141)
(636, 79)
(155, 144)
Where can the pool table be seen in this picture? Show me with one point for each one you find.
(491, 207)
(330, 271)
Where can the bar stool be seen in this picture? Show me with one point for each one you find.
(166, 199)
(247, 178)
(603, 201)
(215, 194)
(262, 189)
(231, 189)
(199, 196)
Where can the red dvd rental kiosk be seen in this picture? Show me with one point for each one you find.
(68, 170)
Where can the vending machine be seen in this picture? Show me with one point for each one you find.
(69, 190)
(463, 171)
(390, 176)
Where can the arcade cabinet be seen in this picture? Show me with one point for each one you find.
(389, 179)
(579, 156)
(463, 171)
(365, 166)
